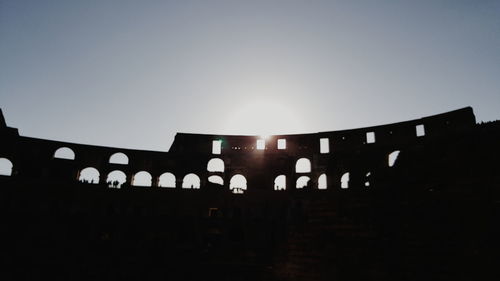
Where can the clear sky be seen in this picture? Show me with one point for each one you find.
(133, 73)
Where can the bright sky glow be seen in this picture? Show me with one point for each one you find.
(130, 73)
(265, 117)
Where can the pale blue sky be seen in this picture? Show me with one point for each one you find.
(133, 73)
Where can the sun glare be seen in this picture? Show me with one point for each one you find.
(265, 118)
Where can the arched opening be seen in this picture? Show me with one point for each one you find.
(89, 175)
(167, 180)
(216, 179)
(116, 179)
(215, 165)
(393, 157)
(322, 181)
(238, 184)
(142, 178)
(344, 181)
(302, 182)
(64, 153)
(303, 165)
(191, 181)
(280, 182)
(118, 158)
(5, 167)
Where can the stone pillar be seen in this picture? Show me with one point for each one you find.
(155, 181)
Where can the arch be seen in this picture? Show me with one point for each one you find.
(142, 178)
(215, 165)
(238, 184)
(216, 179)
(322, 181)
(167, 180)
(191, 181)
(89, 175)
(392, 157)
(6, 167)
(302, 182)
(119, 158)
(64, 153)
(344, 181)
(116, 179)
(280, 182)
(303, 165)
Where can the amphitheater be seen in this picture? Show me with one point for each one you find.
(414, 200)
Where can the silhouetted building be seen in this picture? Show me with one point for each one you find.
(416, 200)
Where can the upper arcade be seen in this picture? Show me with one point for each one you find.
(335, 160)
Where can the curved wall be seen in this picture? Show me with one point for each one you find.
(363, 153)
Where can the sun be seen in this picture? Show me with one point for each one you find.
(264, 118)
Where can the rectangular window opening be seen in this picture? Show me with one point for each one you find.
(216, 146)
(370, 137)
(324, 145)
(281, 143)
(420, 130)
(261, 144)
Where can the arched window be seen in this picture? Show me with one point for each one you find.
(116, 178)
(238, 184)
(344, 181)
(167, 180)
(302, 182)
(215, 165)
(89, 175)
(142, 178)
(191, 181)
(322, 181)
(118, 158)
(280, 182)
(303, 165)
(393, 157)
(64, 153)
(5, 167)
(216, 179)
